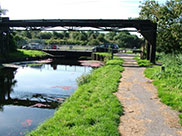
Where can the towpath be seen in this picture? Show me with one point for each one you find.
(144, 114)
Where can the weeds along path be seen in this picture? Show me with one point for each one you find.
(144, 114)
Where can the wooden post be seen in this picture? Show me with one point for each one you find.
(97, 58)
(112, 54)
(93, 56)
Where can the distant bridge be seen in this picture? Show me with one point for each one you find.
(147, 28)
(68, 53)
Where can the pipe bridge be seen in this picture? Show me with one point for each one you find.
(147, 28)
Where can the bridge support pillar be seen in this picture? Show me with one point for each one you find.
(4, 42)
(148, 50)
(4, 39)
(150, 36)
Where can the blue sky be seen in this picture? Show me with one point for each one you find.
(72, 9)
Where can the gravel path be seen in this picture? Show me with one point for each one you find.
(144, 114)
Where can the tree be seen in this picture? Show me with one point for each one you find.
(83, 36)
(110, 36)
(168, 17)
(45, 35)
(27, 34)
(20, 40)
(35, 34)
(93, 42)
(57, 35)
(2, 11)
(101, 38)
(124, 39)
(66, 35)
(75, 35)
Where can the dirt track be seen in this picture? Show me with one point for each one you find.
(144, 114)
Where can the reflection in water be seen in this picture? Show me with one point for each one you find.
(29, 95)
(39, 98)
(7, 82)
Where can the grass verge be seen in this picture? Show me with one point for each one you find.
(168, 82)
(92, 110)
(143, 62)
(107, 56)
(23, 53)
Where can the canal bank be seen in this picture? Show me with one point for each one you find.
(93, 109)
(31, 93)
(24, 55)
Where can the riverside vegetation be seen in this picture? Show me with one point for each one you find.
(143, 62)
(23, 54)
(92, 110)
(168, 82)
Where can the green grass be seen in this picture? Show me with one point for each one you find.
(143, 62)
(23, 53)
(107, 56)
(92, 110)
(129, 51)
(180, 121)
(169, 88)
(34, 64)
(168, 82)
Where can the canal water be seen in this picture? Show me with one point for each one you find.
(31, 93)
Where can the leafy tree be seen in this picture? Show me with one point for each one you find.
(83, 36)
(93, 42)
(101, 38)
(89, 33)
(35, 34)
(20, 40)
(57, 35)
(66, 35)
(110, 36)
(12, 43)
(2, 11)
(27, 34)
(126, 40)
(168, 17)
(74, 35)
(45, 35)
(93, 35)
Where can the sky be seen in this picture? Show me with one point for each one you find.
(72, 9)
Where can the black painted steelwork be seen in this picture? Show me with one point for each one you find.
(68, 54)
(145, 27)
